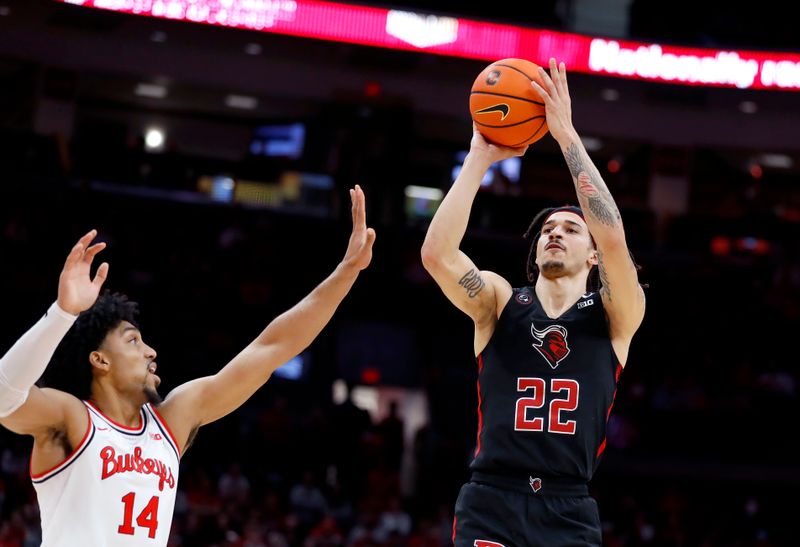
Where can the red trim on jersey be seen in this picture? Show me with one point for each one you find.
(608, 414)
(137, 429)
(163, 422)
(613, 398)
(68, 458)
(601, 449)
(454, 530)
(480, 412)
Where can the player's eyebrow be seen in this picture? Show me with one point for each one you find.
(572, 222)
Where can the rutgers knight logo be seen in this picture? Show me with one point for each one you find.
(551, 343)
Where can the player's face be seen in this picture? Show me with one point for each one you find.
(132, 364)
(565, 246)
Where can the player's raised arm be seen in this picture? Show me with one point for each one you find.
(24, 408)
(207, 399)
(622, 295)
(471, 290)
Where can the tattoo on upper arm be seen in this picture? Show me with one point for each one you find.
(602, 212)
(605, 286)
(472, 282)
(591, 189)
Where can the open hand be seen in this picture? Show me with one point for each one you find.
(77, 291)
(493, 152)
(359, 249)
(557, 104)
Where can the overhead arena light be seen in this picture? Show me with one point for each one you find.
(748, 107)
(423, 192)
(154, 139)
(592, 144)
(243, 102)
(777, 161)
(154, 91)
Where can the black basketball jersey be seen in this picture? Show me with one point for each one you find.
(545, 389)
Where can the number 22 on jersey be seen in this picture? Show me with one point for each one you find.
(567, 392)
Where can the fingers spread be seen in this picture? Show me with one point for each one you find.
(90, 253)
(562, 79)
(86, 239)
(542, 93)
(76, 253)
(100, 276)
(548, 82)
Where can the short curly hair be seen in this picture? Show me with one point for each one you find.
(69, 370)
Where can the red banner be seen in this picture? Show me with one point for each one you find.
(458, 37)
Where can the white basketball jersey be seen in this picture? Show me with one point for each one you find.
(117, 488)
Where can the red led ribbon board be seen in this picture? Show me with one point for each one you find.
(459, 37)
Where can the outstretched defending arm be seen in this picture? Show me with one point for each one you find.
(622, 295)
(205, 400)
(24, 408)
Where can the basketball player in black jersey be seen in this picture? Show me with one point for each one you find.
(549, 355)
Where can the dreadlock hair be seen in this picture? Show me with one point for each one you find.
(69, 369)
(534, 232)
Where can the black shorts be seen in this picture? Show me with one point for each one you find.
(492, 515)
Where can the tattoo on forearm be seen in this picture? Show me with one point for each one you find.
(593, 193)
(585, 186)
(472, 283)
(605, 286)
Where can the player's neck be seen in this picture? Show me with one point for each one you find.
(122, 409)
(558, 294)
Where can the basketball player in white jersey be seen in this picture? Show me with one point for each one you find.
(105, 469)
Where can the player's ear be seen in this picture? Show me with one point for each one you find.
(593, 258)
(98, 360)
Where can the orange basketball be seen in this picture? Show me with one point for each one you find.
(505, 107)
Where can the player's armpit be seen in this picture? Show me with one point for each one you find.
(205, 400)
(46, 409)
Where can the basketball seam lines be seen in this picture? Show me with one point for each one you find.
(506, 95)
(515, 68)
(511, 124)
(529, 138)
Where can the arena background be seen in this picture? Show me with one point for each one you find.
(242, 209)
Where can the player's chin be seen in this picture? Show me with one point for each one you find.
(552, 267)
(152, 381)
(152, 395)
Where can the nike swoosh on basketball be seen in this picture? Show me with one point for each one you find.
(501, 107)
